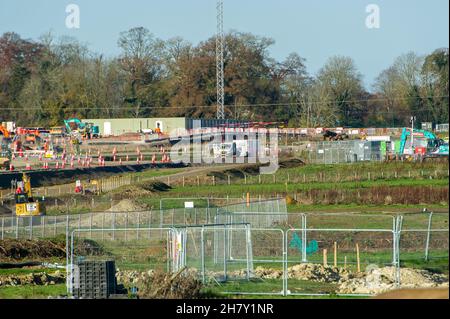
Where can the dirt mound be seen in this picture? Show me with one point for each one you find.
(252, 170)
(318, 273)
(87, 247)
(127, 205)
(12, 249)
(156, 187)
(38, 279)
(375, 281)
(380, 280)
(291, 163)
(171, 286)
(160, 285)
(131, 191)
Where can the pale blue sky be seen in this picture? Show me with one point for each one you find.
(316, 29)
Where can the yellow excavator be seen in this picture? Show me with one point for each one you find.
(26, 205)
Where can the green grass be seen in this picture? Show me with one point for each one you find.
(365, 208)
(157, 172)
(259, 289)
(25, 271)
(238, 190)
(32, 292)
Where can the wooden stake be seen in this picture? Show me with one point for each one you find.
(248, 199)
(335, 255)
(358, 262)
(325, 258)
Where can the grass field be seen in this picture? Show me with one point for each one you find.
(32, 292)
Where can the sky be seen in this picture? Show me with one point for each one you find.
(315, 29)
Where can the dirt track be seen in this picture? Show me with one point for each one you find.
(55, 177)
(62, 181)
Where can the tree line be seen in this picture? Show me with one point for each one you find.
(45, 81)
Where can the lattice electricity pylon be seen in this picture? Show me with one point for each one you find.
(220, 62)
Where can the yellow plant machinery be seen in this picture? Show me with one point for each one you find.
(26, 205)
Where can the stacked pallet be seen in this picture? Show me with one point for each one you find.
(95, 280)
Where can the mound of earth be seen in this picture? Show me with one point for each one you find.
(12, 249)
(375, 281)
(131, 191)
(127, 205)
(292, 163)
(380, 280)
(37, 279)
(156, 187)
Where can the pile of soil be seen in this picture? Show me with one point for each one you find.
(171, 286)
(127, 205)
(37, 279)
(131, 191)
(253, 170)
(141, 190)
(156, 187)
(130, 278)
(12, 249)
(374, 281)
(292, 163)
(36, 250)
(160, 285)
(380, 280)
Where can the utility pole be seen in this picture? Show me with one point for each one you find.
(220, 62)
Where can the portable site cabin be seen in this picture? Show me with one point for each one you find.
(116, 127)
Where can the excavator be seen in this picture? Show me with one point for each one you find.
(436, 147)
(26, 204)
(86, 130)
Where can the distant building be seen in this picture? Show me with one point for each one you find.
(115, 127)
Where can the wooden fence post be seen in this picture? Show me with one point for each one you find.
(358, 261)
(335, 254)
(325, 258)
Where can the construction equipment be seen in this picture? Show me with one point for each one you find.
(57, 130)
(86, 130)
(26, 204)
(5, 153)
(4, 131)
(434, 145)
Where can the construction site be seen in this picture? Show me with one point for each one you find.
(72, 195)
(222, 207)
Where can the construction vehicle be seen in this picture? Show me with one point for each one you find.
(26, 204)
(5, 158)
(432, 145)
(57, 130)
(4, 131)
(86, 130)
(5, 152)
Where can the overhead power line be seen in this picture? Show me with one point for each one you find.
(286, 105)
